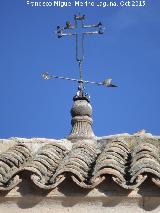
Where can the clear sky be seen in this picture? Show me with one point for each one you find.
(129, 52)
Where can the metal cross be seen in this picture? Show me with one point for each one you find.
(79, 24)
(72, 30)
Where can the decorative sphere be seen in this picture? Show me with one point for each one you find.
(81, 108)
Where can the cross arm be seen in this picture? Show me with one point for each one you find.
(99, 26)
(60, 32)
(91, 33)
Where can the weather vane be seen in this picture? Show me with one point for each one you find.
(79, 30)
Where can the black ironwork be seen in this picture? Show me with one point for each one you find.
(71, 30)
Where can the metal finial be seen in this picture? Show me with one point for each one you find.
(81, 111)
(79, 30)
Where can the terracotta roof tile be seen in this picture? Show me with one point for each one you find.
(128, 160)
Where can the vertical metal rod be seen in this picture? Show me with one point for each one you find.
(82, 46)
(81, 77)
(80, 70)
(77, 48)
(82, 41)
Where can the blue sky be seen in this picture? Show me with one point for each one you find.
(129, 52)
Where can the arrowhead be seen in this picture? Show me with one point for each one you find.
(108, 83)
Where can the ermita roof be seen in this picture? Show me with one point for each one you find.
(128, 159)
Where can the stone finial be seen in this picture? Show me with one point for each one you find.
(81, 113)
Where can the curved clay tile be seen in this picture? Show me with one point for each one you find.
(112, 161)
(145, 161)
(11, 162)
(79, 164)
(44, 163)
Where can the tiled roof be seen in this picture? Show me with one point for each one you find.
(128, 159)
